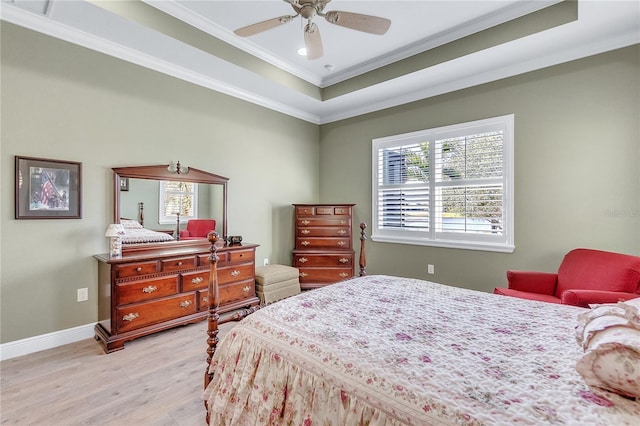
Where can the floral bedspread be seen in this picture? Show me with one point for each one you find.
(384, 350)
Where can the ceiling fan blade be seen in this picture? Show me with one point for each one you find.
(312, 41)
(259, 27)
(358, 21)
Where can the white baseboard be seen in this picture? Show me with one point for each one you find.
(45, 341)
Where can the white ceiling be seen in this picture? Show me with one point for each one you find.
(417, 26)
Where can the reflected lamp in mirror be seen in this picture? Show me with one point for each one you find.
(115, 231)
(178, 168)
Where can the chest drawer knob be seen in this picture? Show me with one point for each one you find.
(149, 289)
(305, 243)
(303, 260)
(205, 299)
(179, 263)
(235, 273)
(305, 222)
(341, 243)
(342, 232)
(138, 269)
(343, 260)
(130, 317)
(344, 274)
(197, 280)
(305, 231)
(246, 289)
(303, 274)
(343, 222)
(185, 303)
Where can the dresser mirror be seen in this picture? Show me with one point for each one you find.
(137, 193)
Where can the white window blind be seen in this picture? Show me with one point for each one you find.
(177, 197)
(450, 186)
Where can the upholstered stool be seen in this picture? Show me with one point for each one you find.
(275, 282)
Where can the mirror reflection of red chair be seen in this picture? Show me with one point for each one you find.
(584, 277)
(197, 229)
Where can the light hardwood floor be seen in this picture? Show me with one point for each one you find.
(155, 380)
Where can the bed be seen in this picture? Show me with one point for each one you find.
(135, 233)
(384, 350)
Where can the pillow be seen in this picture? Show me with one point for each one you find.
(610, 337)
(130, 224)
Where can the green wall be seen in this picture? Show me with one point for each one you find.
(577, 167)
(65, 102)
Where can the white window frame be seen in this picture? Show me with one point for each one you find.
(503, 242)
(171, 218)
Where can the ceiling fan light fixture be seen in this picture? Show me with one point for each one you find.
(302, 51)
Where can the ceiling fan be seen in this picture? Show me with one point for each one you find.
(308, 9)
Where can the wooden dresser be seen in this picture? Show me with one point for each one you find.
(323, 249)
(146, 292)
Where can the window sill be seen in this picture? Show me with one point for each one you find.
(463, 245)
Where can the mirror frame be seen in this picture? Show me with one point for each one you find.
(161, 172)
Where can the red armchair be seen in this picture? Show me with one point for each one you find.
(197, 229)
(585, 276)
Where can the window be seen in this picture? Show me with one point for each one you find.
(447, 187)
(177, 197)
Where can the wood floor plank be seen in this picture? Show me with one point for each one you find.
(155, 380)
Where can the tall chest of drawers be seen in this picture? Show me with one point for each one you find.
(140, 294)
(323, 250)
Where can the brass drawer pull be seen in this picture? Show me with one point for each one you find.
(303, 260)
(305, 222)
(344, 274)
(341, 243)
(235, 273)
(303, 274)
(197, 280)
(343, 260)
(343, 222)
(205, 299)
(149, 289)
(305, 231)
(139, 269)
(130, 317)
(342, 232)
(185, 303)
(246, 289)
(305, 243)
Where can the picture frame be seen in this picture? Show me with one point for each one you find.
(47, 188)
(124, 184)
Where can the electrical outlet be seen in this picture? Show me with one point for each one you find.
(83, 294)
(266, 261)
(431, 269)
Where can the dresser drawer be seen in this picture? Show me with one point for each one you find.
(178, 264)
(138, 291)
(241, 256)
(230, 274)
(195, 280)
(324, 275)
(313, 243)
(339, 231)
(237, 291)
(203, 300)
(341, 221)
(136, 269)
(143, 314)
(223, 259)
(306, 259)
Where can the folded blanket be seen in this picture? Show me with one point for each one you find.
(610, 337)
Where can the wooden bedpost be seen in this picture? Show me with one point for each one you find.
(363, 255)
(212, 302)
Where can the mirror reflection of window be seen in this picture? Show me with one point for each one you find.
(177, 198)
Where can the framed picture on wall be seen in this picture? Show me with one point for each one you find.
(124, 184)
(48, 189)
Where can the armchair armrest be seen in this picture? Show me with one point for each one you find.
(184, 233)
(584, 298)
(532, 281)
